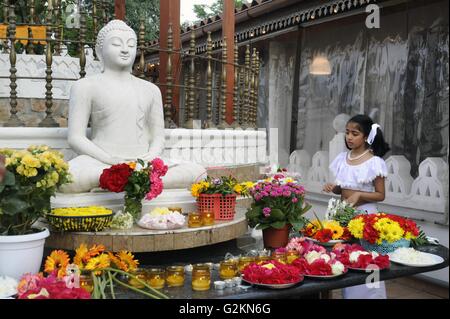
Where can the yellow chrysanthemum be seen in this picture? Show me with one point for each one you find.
(389, 230)
(98, 263)
(196, 189)
(356, 227)
(57, 261)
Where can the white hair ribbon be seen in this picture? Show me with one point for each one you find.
(373, 133)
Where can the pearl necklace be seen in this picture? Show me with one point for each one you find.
(357, 157)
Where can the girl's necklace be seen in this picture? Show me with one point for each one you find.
(357, 157)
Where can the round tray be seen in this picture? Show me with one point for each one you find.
(80, 223)
(273, 286)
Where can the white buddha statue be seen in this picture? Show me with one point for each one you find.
(126, 115)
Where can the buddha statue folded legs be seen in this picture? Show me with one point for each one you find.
(126, 117)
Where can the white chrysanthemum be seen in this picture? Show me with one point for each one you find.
(411, 256)
(312, 256)
(337, 268)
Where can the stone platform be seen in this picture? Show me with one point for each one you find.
(139, 240)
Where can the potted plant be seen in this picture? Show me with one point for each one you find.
(278, 206)
(218, 195)
(29, 181)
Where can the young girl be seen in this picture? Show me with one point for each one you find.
(360, 174)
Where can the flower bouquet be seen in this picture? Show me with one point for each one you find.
(103, 267)
(340, 211)
(320, 264)
(162, 218)
(383, 232)
(218, 195)
(137, 180)
(271, 272)
(356, 257)
(326, 232)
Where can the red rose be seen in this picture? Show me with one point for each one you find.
(115, 178)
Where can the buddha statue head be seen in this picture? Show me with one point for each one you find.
(116, 46)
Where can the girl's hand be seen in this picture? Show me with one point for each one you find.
(354, 198)
(328, 188)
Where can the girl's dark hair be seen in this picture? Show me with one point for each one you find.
(379, 145)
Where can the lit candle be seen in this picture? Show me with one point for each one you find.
(175, 276)
(201, 277)
(156, 278)
(194, 220)
(280, 257)
(244, 261)
(292, 255)
(139, 274)
(207, 218)
(86, 283)
(228, 269)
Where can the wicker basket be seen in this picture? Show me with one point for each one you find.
(385, 247)
(80, 223)
(222, 206)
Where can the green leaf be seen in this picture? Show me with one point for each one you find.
(277, 215)
(263, 226)
(13, 205)
(278, 225)
(9, 179)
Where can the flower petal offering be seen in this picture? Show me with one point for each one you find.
(8, 287)
(356, 257)
(272, 272)
(414, 258)
(162, 218)
(320, 264)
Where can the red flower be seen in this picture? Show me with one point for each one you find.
(115, 178)
(277, 274)
(324, 235)
(319, 267)
(347, 235)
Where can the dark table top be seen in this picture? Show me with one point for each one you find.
(308, 288)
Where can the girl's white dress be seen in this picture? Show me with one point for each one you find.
(360, 178)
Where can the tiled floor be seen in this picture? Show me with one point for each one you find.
(409, 288)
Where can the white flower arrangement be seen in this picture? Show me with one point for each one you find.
(122, 220)
(162, 218)
(8, 287)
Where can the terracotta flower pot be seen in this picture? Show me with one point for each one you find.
(276, 238)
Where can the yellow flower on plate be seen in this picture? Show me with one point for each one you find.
(334, 226)
(356, 227)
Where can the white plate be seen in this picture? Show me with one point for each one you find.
(273, 286)
(436, 260)
(325, 277)
(328, 243)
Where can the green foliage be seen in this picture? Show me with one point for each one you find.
(420, 240)
(203, 11)
(31, 178)
(147, 10)
(344, 216)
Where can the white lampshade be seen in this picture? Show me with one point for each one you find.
(320, 66)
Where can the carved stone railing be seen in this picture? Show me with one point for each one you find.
(212, 148)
